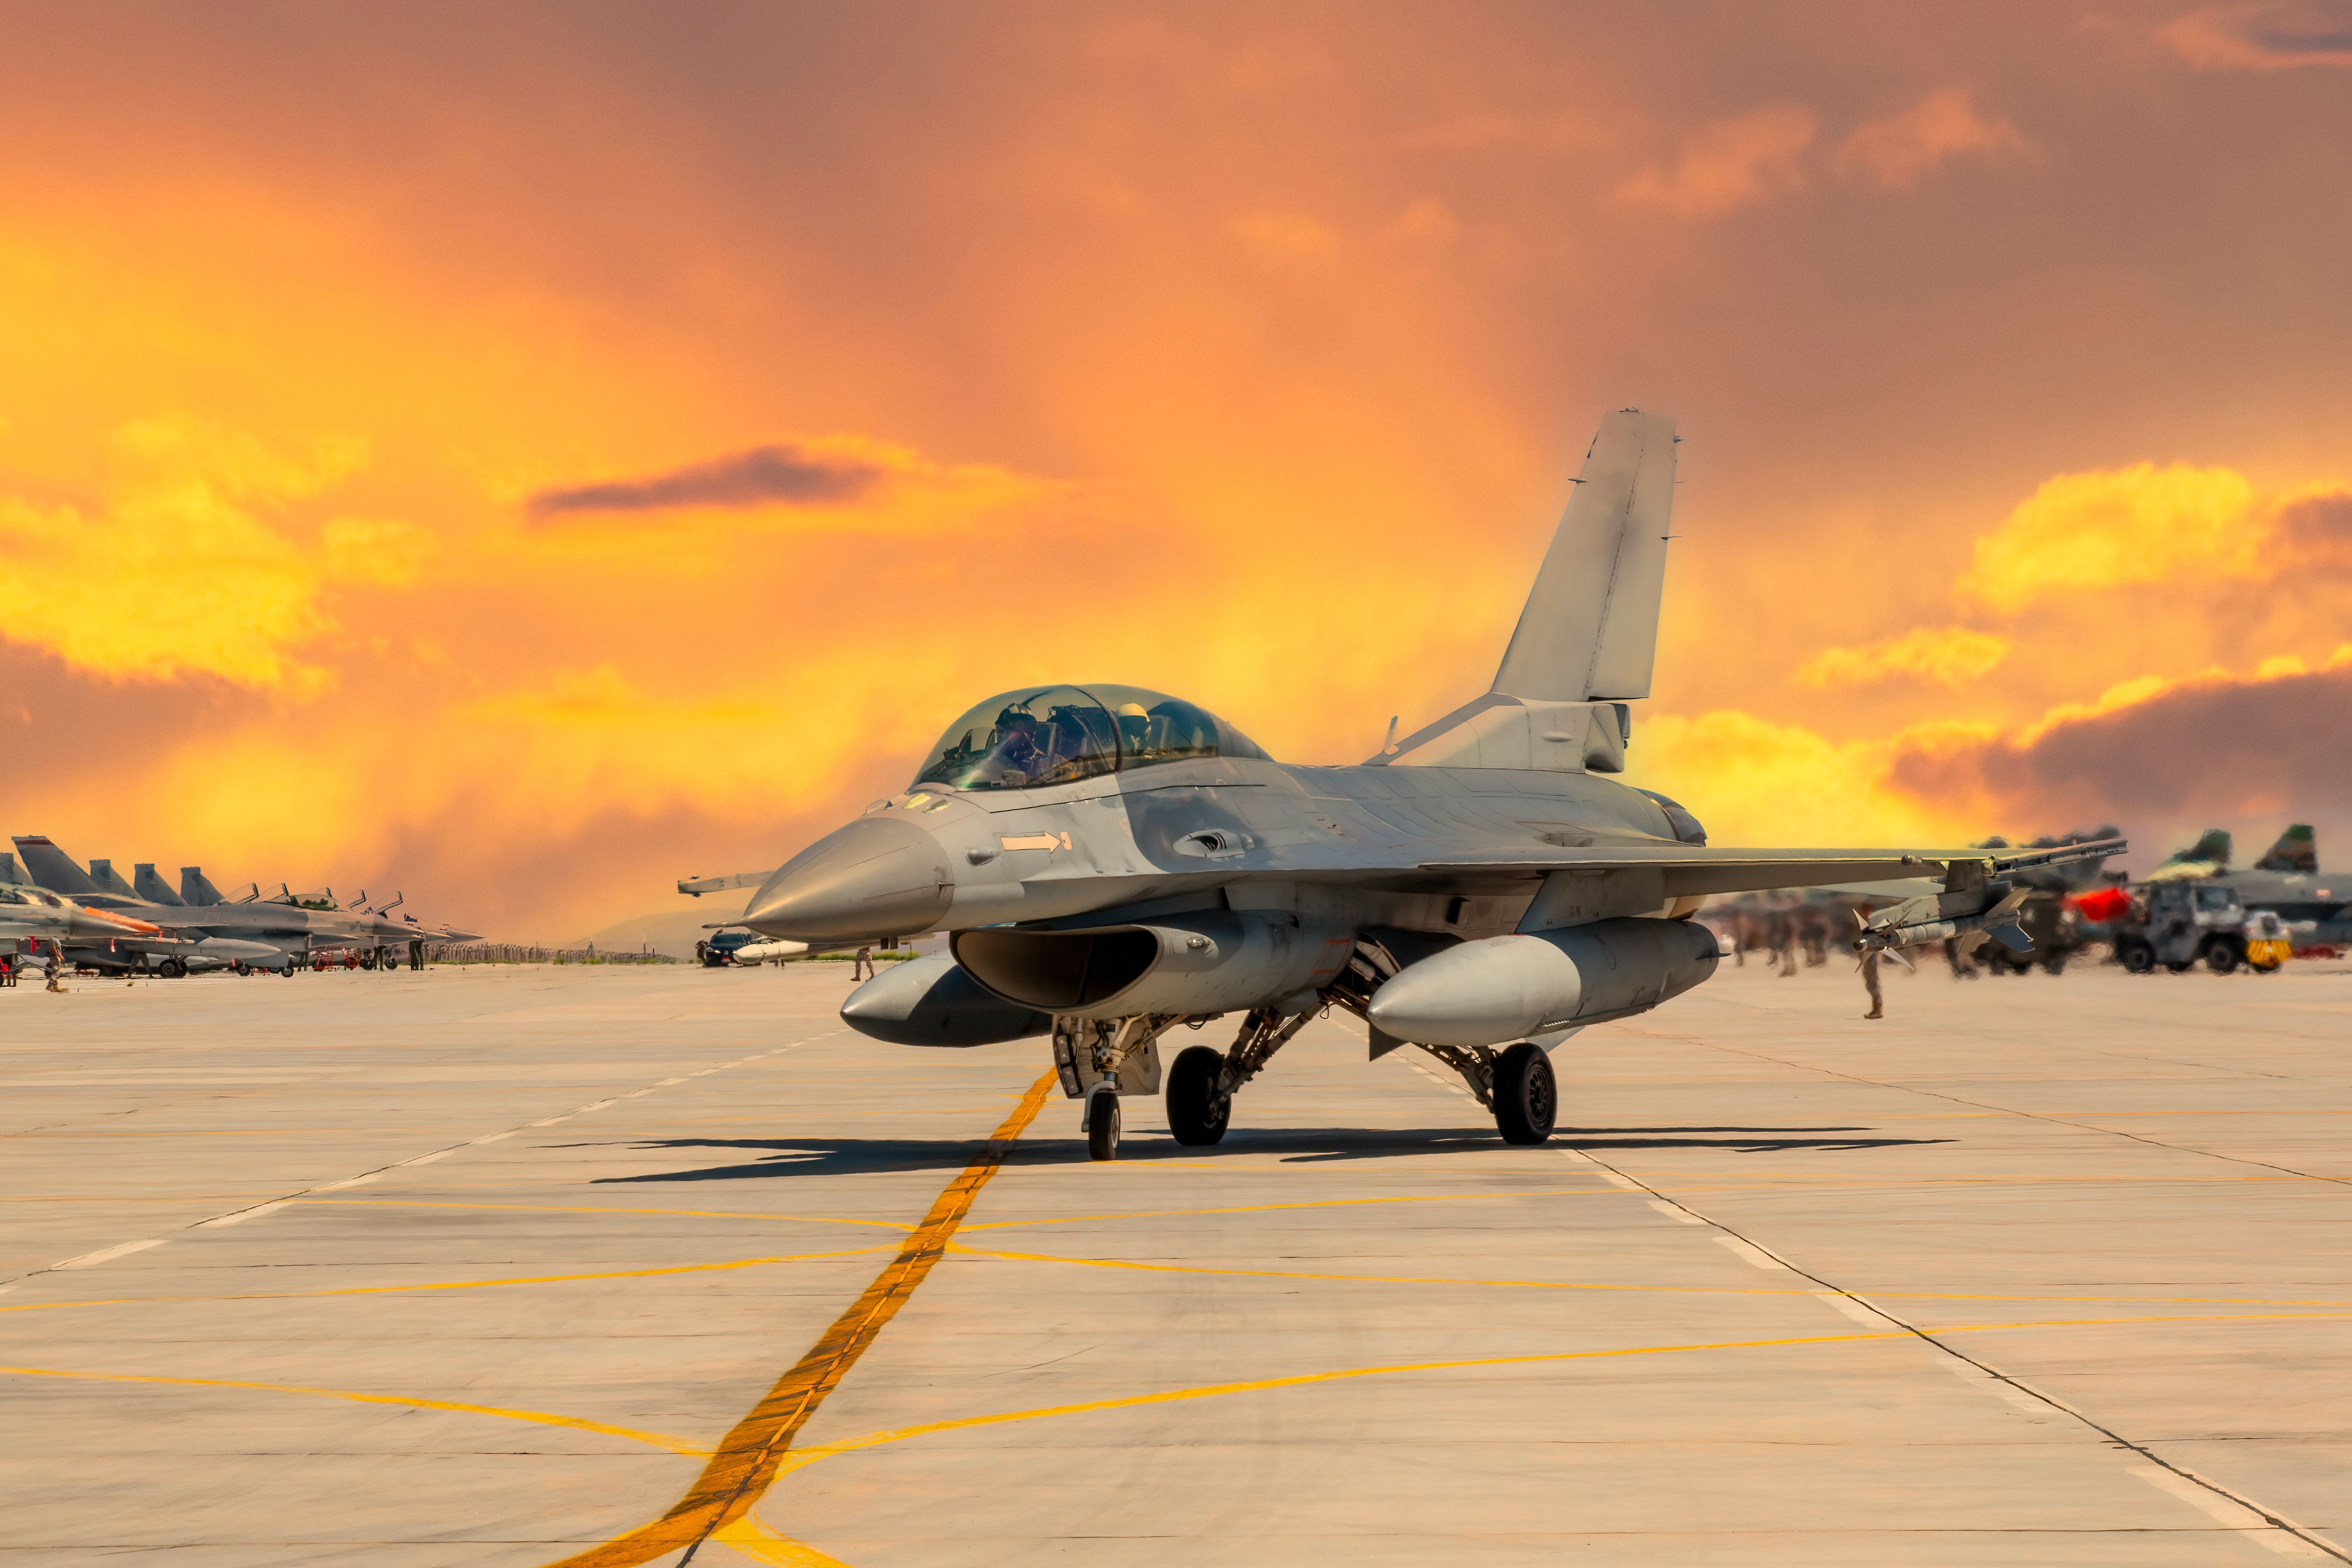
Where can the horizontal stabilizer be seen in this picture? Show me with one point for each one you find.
(695, 887)
(1590, 630)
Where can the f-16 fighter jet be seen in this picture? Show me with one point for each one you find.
(1110, 862)
(37, 915)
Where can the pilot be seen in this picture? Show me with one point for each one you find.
(1016, 745)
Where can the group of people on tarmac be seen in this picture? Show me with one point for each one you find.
(1782, 929)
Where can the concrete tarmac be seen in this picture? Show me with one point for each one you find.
(478, 1266)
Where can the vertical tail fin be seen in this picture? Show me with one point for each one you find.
(1590, 630)
(52, 867)
(195, 888)
(109, 880)
(2297, 849)
(151, 886)
(9, 872)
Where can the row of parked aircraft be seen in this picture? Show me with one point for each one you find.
(97, 921)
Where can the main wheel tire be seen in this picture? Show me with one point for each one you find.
(1526, 1097)
(1198, 1110)
(1102, 1128)
(2222, 958)
(2137, 958)
(172, 969)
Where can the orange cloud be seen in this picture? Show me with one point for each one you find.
(1752, 781)
(195, 564)
(2209, 747)
(2267, 34)
(1950, 656)
(1896, 151)
(1742, 161)
(1285, 235)
(2103, 530)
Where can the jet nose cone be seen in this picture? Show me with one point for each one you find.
(878, 877)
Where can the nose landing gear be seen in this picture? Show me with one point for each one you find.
(1101, 1119)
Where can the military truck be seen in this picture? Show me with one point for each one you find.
(2179, 923)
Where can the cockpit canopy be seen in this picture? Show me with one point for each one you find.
(1057, 734)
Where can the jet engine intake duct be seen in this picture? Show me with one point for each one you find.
(1213, 962)
(1509, 987)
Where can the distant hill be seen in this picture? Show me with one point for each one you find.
(674, 930)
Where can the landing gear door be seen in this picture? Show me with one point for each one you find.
(1082, 1047)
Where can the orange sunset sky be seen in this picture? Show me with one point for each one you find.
(525, 453)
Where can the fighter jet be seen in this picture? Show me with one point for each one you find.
(1110, 862)
(36, 915)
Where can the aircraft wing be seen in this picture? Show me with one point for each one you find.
(1693, 870)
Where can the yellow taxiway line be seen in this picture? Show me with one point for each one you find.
(747, 1458)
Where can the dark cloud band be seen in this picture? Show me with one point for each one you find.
(780, 474)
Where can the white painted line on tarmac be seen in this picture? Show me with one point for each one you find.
(1671, 1211)
(1857, 1312)
(350, 1181)
(241, 1216)
(1754, 1257)
(2231, 1515)
(108, 1255)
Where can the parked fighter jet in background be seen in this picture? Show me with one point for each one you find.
(2315, 905)
(37, 915)
(275, 933)
(1111, 861)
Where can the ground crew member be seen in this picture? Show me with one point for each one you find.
(1870, 984)
(864, 970)
(50, 968)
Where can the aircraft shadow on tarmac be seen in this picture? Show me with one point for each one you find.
(1309, 1145)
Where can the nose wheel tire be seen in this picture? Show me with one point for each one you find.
(1102, 1126)
(1526, 1097)
(1198, 1110)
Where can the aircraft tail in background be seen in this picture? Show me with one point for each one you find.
(147, 885)
(110, 881)
(196, 889)
(2297, 849)
(51, 868)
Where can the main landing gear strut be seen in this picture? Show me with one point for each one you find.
(1101, 1060)
(1515, 1083)
(1098, 1061)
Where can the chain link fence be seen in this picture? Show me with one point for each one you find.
(511, 952)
